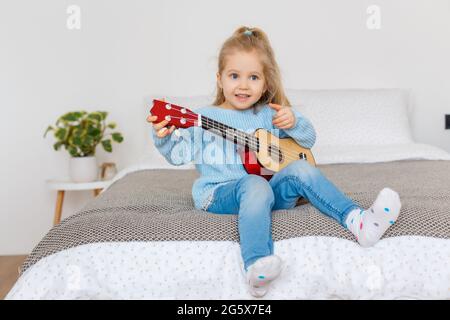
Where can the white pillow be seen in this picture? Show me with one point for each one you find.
(349, 117)
(151, 157)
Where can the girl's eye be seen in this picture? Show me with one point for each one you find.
(254, 77)
(233, 76)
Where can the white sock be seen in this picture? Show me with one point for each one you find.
(369, 225)
(261, 273)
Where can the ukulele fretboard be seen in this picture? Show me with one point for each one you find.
(237, 136)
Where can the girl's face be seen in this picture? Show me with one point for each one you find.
(242, 80)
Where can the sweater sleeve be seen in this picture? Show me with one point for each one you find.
(179, 149)
(302, 132)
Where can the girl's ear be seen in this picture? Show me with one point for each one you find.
(219, 80)
(265, 85)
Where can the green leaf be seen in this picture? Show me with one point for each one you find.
(112, 125)
(93, 131)
(77, 131)
(104, 114)
(88, 150)
(95, 116)
(79, 114)
(107, 145)
(70, 116)
(49, 128)
(89, 141)
(60, 134)
(57, 145)
(116, 136)
(73, 151)
(77, 141)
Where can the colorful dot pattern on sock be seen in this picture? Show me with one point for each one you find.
(386, 209)
(261, 277)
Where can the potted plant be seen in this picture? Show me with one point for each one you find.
(80, 132)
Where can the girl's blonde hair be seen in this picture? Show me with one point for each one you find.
(249, 39)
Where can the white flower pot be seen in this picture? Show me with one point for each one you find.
(83, 169)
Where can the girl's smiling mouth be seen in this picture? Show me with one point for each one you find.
(242, 97)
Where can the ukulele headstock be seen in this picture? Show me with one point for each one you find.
(178, 116)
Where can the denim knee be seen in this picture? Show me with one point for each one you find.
(257, 188)
(301, 169)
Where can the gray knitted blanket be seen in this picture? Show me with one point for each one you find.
(156, 205)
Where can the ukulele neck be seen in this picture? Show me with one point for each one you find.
(236, 136)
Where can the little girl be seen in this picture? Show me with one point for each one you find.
(250, 96)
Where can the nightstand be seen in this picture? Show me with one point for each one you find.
(62, 186)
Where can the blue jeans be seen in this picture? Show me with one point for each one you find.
(253, 198)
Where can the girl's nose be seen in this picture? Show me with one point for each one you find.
(243, 84)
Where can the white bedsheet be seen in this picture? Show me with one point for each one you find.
(315, 268)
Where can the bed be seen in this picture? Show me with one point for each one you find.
(142, 238)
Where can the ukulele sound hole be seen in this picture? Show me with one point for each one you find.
(275, 153)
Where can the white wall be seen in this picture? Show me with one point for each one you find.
(127, 49)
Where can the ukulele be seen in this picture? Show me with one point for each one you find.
(263, 153)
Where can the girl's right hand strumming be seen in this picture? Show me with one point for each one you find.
(160, 128)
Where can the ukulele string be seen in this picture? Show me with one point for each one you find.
(287, 154)
(290, 155)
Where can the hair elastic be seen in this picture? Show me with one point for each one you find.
(248, 32)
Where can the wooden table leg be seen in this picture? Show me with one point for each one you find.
(97, 191)
(58, 210)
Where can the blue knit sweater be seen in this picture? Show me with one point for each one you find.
(217, 159)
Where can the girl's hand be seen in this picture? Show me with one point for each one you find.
(284, 118)
(160, 128)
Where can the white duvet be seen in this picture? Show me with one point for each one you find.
(408, 267)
